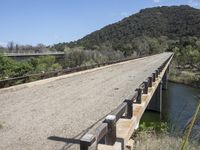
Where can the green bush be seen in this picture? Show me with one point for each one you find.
(159, 127)
(23, 68)
(11, 68)
(79, 57)
(44, 63)
(7, 67)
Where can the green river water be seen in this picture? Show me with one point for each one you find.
(179, 104)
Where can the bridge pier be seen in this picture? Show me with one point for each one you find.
(156, 101)
(165, 79)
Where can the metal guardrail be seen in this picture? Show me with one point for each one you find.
(107, 130)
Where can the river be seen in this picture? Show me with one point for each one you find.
(179, 104)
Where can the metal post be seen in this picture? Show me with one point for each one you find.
(86, 141)
(111, 136)
(129, 110)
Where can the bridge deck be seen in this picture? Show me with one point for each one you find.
(66, 106)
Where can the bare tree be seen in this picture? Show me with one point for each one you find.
(10, 46)
(17, 48)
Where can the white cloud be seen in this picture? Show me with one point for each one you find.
(156, 1)
(194, 3)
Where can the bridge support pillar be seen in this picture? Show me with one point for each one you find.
(156, 102)
(165, 80)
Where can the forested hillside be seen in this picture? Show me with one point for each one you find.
(145, 32)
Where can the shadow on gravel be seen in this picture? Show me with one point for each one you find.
(66, 140)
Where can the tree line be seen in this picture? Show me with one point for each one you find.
(10, 68)
(13, 47)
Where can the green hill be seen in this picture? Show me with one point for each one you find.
(152, 25)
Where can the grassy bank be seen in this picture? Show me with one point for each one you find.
(155, 136)
(187, 76)
(154, 141)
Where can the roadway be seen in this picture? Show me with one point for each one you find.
(66, 106)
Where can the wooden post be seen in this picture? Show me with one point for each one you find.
(129, 110)
(111, 136)
(160, 69)
(150, 81)
(86, 141)
(157, 73)
(139, 96)
(145, 90)
(153, 77)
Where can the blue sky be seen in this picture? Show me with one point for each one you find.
(54, 21)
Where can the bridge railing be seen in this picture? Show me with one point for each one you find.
(32, 77)
(106, 131)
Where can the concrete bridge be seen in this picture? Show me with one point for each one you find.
(94, 109)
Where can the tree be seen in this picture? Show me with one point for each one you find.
(40, 46)
(17, 48)
(10, 46)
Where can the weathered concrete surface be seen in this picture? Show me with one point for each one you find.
(66, 106)
(125, 127)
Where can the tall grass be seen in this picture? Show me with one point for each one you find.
(191, 125)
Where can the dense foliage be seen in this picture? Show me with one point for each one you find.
(186, 64)
(79, 57)
(187, 52)
(144, 32)
(10, 68)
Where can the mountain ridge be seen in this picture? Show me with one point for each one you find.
(172, 22)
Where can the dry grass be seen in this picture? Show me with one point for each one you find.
(153, 141)
(185, 76)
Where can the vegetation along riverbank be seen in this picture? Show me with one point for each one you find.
(186, 64)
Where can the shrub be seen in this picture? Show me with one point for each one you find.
(11, 68)
(79, 57)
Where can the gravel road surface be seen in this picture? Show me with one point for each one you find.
(66, 106)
